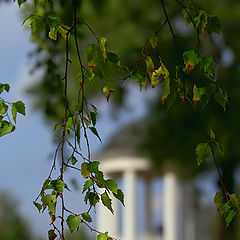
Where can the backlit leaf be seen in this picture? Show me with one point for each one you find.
(38, 206)
(203, 151)
(166, 90)
(5, 87)
(94, 131)
(53, 33)
(119, 196)
(106, 201)
(84, 170)
(6, 127)
(112, 185)
(103, 47)
(218, 199)
(191, 59)
(73, 160)
(73, 222)
(87, 185)
(17, 107)
(3, 108)
(86, 217)
(50, 200)
(102, 236)
(197, 95)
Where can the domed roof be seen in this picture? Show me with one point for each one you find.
(125, 142)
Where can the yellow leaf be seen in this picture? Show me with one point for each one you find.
(84, 171)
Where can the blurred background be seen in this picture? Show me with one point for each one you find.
(166, 139)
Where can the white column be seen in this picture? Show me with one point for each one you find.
(129, 212)
(148, 206)
(188, 206)
(171, 219)
(106, 221)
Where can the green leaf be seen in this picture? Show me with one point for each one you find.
(112, 57)
(50, 200)
(3, 108)
(28, 17)
(201, 21)
(149, 65)
(212, 134)
(206, 63)
(64, 31)
(53, 33)
(57, 127)
(229, 216)
(218, 200)
(93, 166)
(221, 97)
(52, 21)
(73, 160)
(94, 131)
(6, 127)
(37, 25)
(93, 118)
(103, 47)
(87, 185)
(153, 41)
(86, 217)
(214, 24)
(17, 107)
(166, 90)
(112, 185)
(203, 151)
(197, 95)
(73, 222)
(107, 92)
(235, 202)
(139, 77)
(93, 198)
(106, 201)
(119, 196)
(92, 52)
(57, 185)
(102, 236)
(191, 59)
(5, 87)
(38, 206)
(51, 235)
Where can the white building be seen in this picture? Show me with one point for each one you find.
(122, 161)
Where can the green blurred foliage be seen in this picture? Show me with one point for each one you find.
(12, 225)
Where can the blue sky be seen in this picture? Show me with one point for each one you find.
(25, 153)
